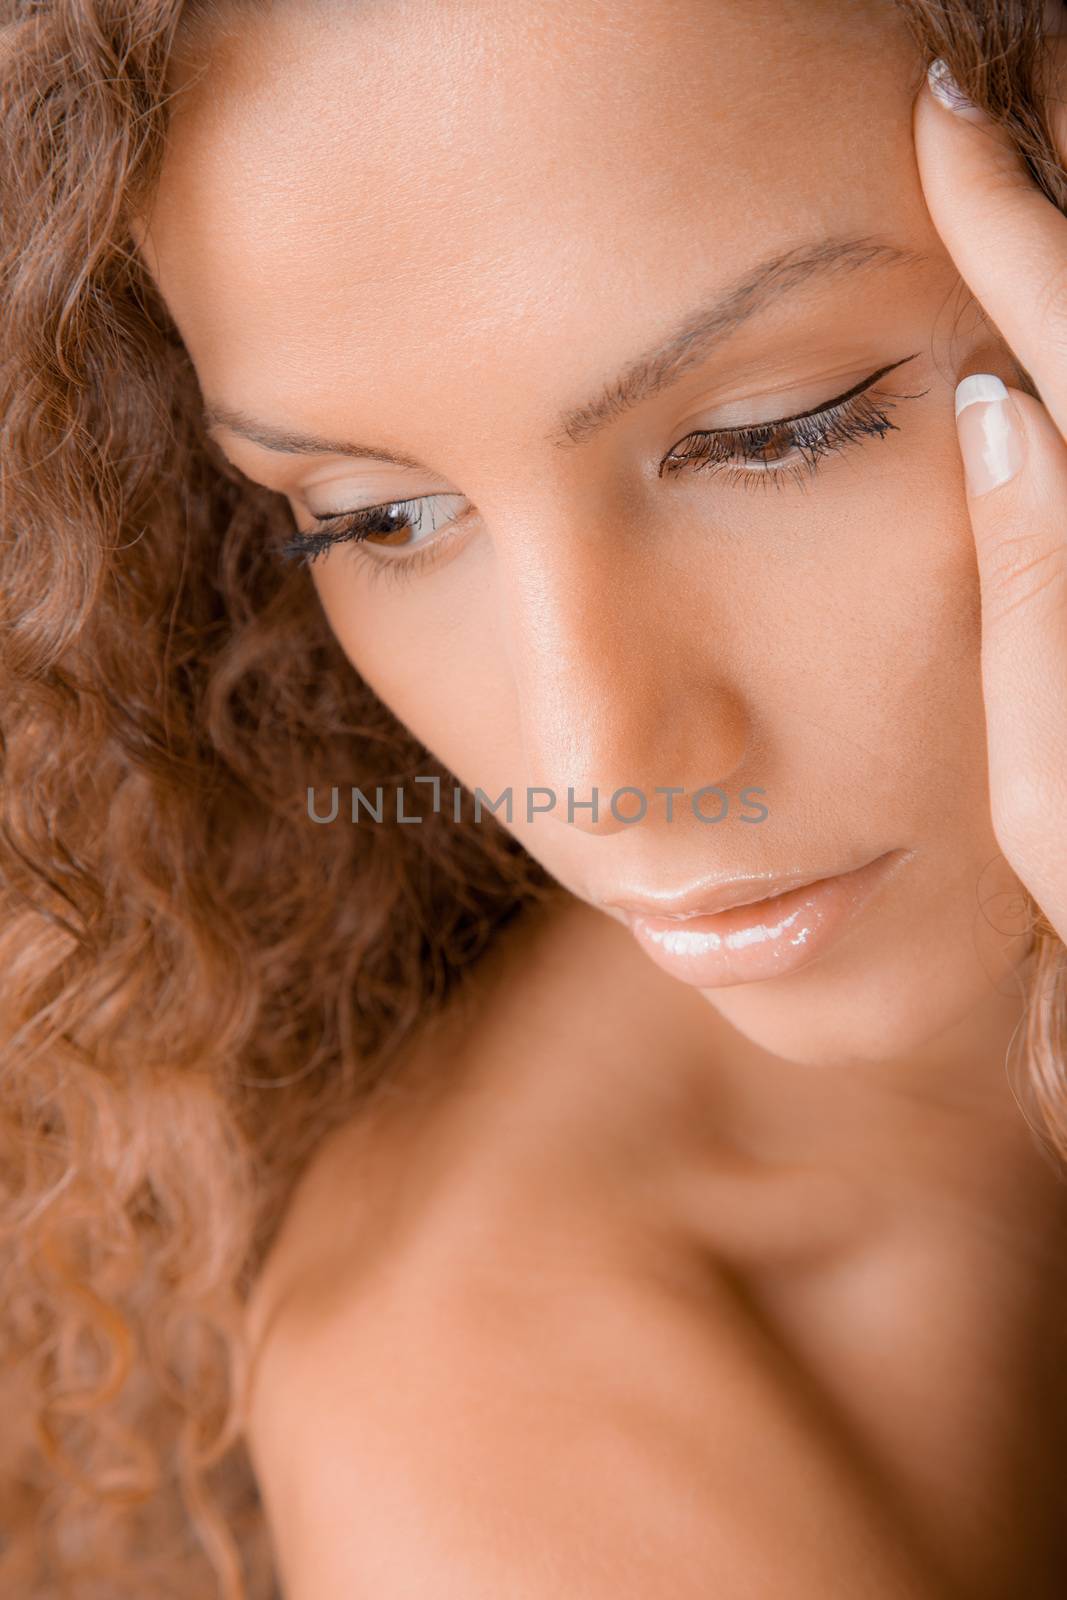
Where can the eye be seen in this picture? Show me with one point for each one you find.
(791, 448)
(395, 525)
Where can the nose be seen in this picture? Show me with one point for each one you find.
(619, 687)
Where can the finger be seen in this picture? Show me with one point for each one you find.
(1008, 241)
(1015, 466)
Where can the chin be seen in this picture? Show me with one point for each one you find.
(898, 984)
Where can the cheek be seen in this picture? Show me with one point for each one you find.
(431, 653)
(881, 693)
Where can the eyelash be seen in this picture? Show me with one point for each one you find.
(814, 434)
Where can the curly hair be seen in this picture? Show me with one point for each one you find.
(197, 985)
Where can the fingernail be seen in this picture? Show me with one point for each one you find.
(990, 437)
(945, 89)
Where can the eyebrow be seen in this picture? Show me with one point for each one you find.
(646, 375)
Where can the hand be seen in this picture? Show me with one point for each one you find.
(1009, 244)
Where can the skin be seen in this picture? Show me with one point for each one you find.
(434, 229)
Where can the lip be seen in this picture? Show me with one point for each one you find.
(716, 936)
(711, 895)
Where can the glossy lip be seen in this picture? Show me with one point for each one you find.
(771, 937)
(713, 894)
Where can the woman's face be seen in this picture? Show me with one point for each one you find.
(532, 251)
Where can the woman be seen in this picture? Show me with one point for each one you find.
(381, 1216)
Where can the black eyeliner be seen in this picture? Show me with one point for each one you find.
(827, 405)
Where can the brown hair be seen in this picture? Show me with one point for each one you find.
(198, 984)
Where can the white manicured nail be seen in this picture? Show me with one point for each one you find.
(948, 93)
(990, 438)
(979, 386)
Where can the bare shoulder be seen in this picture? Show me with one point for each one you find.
(468, 1384)
(515, 1429)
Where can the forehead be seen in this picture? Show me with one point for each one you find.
(349, 187)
